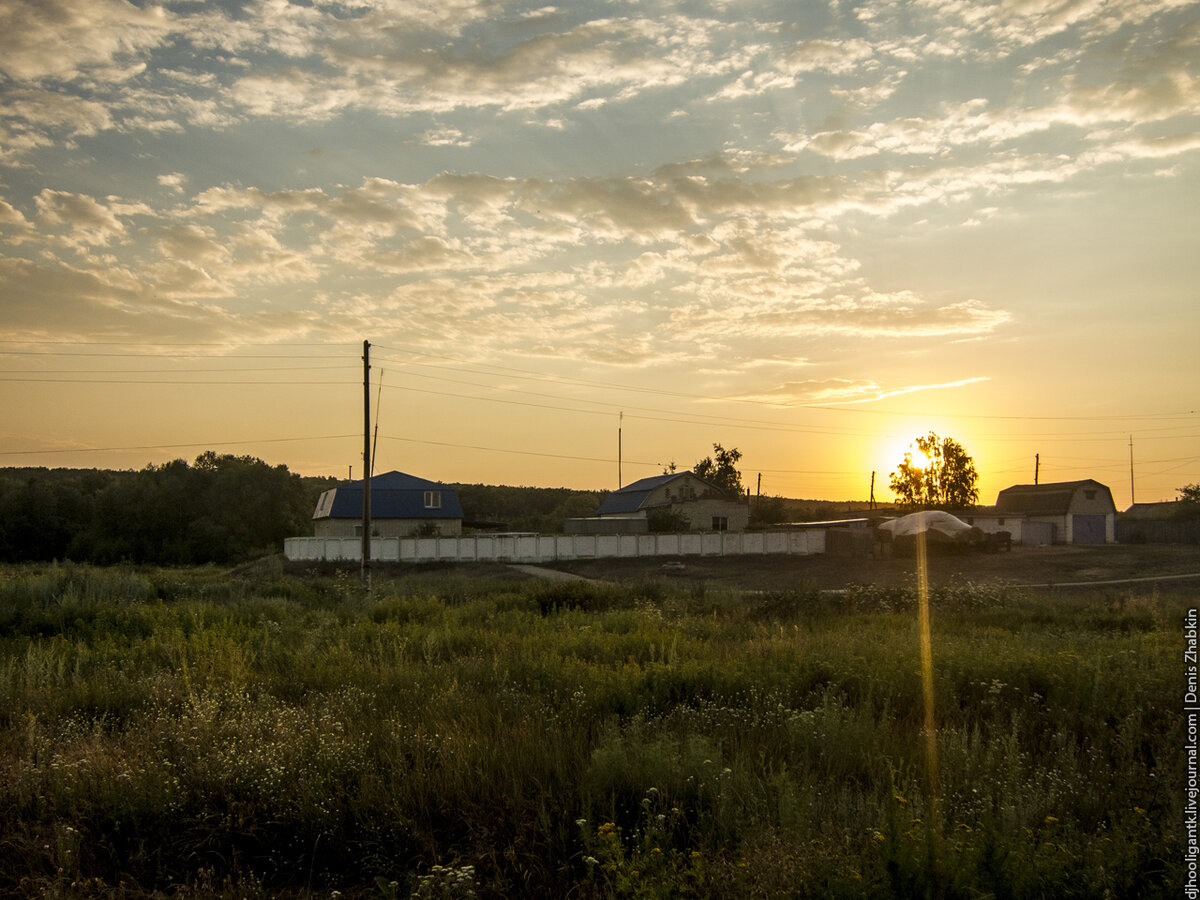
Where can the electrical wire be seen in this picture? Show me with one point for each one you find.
(289, 440)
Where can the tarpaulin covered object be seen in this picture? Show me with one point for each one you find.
(938, 527)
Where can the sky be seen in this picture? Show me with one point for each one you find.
(587, 241)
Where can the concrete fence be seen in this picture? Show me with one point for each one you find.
(540, 548)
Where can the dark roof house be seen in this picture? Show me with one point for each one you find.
(701, 503)
(1082, 512)
(401, 504)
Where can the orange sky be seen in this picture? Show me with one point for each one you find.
(810, 232)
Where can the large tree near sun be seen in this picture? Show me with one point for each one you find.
(940, 474)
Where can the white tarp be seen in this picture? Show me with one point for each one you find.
(934, 523)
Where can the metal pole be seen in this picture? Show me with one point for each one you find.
(1132, 497)
(620, 422)
(366, 504)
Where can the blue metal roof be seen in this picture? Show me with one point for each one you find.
(394, 495)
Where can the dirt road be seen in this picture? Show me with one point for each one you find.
(1161, 564)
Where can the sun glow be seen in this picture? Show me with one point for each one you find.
(897, 446)
(918, 459)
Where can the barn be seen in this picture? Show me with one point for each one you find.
(1079, 512)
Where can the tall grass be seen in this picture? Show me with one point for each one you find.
(195, 734)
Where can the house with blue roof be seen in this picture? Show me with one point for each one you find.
(682, 495)
(401, 505)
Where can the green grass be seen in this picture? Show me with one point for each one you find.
(190, 733)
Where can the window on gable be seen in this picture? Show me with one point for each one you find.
(1090, 495)
(433, 499)
(720, 523)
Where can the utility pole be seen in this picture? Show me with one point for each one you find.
(872, 490)
(620, 422)
(1037, 464)
(366, 505)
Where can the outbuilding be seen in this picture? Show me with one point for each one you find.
(401, 505)
(1079, 512)
(683, 496)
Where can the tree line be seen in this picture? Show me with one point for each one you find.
(227, 509)
(217, 509)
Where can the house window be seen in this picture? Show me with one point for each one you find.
(1090, 495)
(433, 499)
(720, 523)
(358, 531)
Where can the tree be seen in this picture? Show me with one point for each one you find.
(942, 475)
(721, 469)
(1190, 494)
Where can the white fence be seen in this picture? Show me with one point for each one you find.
(538, 548)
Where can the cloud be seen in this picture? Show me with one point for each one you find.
(72, 304)
(174, 181)
(85, 221)
(529, 265)
(63, 39)
(838, 57)
(9, 215)
(843, 391)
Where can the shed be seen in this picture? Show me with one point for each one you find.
(1080, 512)
(1169, 522)
(703, 505)
(401, 505)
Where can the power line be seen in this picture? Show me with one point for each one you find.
(849, 407)
(510, 451)
(163, 381)
(177, 371)
(291, 440)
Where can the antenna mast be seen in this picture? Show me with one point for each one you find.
(1131, 495)
(375, 438)
(620, 421)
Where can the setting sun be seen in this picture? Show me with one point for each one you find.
(577, 273)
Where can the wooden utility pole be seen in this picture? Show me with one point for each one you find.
(366, 503)
(620, 422)
(872, 490)
(1037, 464)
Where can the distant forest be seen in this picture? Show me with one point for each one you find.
(220, 509)
(227, 509)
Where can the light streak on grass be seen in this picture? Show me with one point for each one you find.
(933, 818)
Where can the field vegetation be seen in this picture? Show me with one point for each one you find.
(198, 733)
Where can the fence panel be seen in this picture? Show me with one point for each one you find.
(545, 548)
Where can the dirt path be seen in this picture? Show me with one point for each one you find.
(549, 574)
(1109, 565)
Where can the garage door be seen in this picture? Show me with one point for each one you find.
(1087, 529)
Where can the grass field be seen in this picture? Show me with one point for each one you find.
(196, 733)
